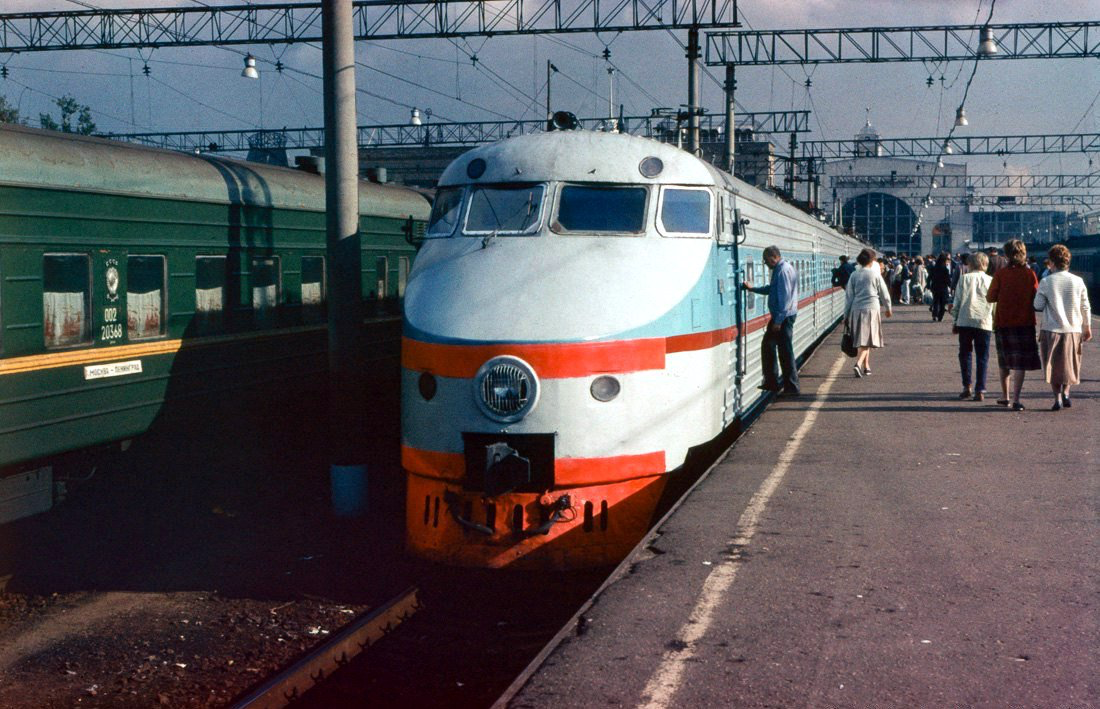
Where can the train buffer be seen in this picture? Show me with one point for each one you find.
(876, 542)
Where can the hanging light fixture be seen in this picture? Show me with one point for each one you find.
(935, 185)
(960, 118)
(415, 120)
(250, 68)
(987, 47)
(939, 162)
(947, 147)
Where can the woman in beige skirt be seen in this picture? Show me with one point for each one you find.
(866, 296)
(1063, 301)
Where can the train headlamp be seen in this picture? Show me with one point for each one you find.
(605, 388)
(506, 389)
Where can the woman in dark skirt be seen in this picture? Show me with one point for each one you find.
(1013, 290)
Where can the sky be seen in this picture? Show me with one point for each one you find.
(201, 88)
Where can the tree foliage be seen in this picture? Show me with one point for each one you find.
(69, 108)
(8, 112)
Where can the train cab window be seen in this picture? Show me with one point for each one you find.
(445, 213)
(504, 209)
(66, 299)
(209, 293)
(313, 288)
(265, 280)
(382, 276)
(604, 209)
(145, 278)
(685, 211)
(750, 276)
(402, 275)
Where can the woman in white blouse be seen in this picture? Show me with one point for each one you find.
(866, 296)
(1063, 302)
(973, 323)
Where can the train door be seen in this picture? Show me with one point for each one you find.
(108, 296)
(734, 303)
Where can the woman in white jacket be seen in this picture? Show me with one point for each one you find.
(1063, 301)
(973, 323)
(866, 296)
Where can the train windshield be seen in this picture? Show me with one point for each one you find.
(504, 209)
(445, 212)
(685, 211)
(589, 208)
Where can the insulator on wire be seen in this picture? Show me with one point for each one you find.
(146, 70)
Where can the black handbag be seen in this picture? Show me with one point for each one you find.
(846, 344)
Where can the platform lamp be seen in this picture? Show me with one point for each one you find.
(960, 117)
(987, 47)
(250, 68)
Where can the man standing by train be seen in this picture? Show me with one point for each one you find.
(778, 340)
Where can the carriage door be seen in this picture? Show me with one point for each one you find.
(733, 303)
(108, 296)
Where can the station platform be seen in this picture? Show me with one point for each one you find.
(875, 542)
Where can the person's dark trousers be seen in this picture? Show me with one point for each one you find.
(779, 345)
(939, 304)
(978, 340)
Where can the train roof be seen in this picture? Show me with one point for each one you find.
(580, 156)
(48, 159)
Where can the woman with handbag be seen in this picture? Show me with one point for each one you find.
(866, 296)
(973, 316)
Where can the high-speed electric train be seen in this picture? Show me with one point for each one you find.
(574, 325)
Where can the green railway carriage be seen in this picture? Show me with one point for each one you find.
(133, 279)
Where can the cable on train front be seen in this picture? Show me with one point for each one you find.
(560, 338)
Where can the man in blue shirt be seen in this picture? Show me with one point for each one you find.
(778, 340)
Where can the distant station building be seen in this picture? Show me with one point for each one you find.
(882, 198)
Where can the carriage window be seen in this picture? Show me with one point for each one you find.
(144, 296)
(445, 212)
(381, 270)
(402, 275)
(209, 293)
(685, 211)
(504, 209)
(66, 299)
(313, 288)
(265, 291)
(602, 209)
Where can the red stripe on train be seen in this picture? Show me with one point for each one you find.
(567, 471)
(572, 359)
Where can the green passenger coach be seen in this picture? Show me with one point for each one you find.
(132, 279)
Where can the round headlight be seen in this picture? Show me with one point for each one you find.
(475, 168)
(605, 388)
(506, 389)
(651, 166)
(427, 385)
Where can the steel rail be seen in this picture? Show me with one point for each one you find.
(315, 666)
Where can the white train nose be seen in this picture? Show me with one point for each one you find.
(550, 288)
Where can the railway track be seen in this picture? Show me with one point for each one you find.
(319, 664)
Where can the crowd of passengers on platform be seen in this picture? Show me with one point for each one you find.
(995, 295)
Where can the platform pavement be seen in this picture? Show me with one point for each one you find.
(915, 551)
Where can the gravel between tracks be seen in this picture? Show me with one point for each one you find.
(189, 568)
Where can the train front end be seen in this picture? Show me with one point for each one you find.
(542, 409)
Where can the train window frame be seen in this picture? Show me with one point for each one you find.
(382, 276)
(162, 328)
(313, 311)
(259, 319)
(531, 230)
(403, 268)
(460, 211)
(86, 326)
(205, 320)
(710, 211)
(558, 228)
